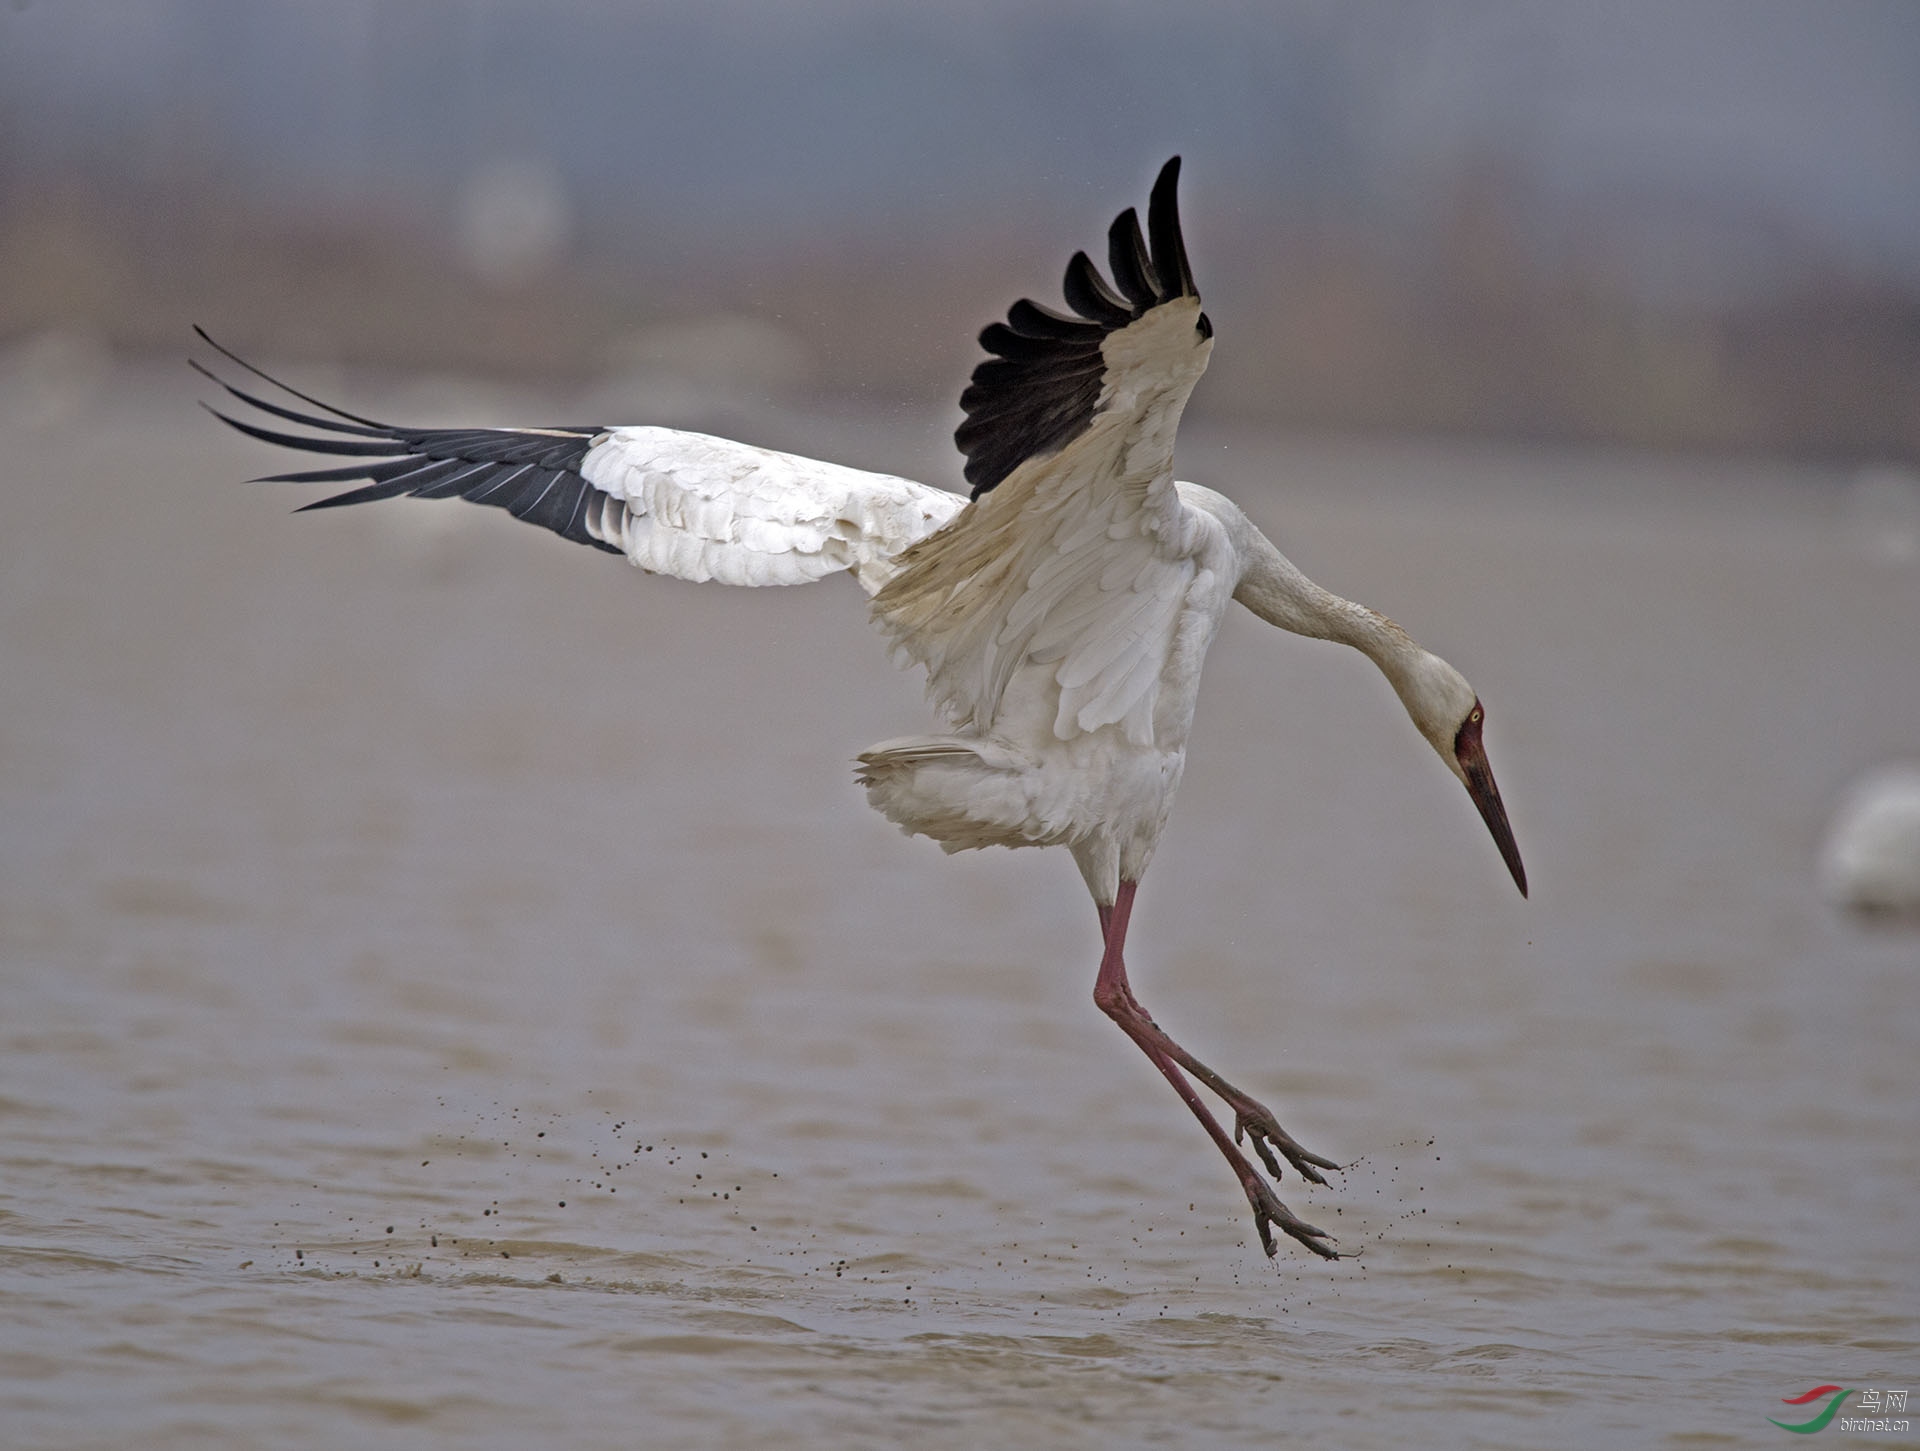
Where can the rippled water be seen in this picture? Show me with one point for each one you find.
(453, 993)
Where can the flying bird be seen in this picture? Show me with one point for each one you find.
(1061, 611)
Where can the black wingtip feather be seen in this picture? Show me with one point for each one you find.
(355, 496)
(1039, 389)
(1163, 231)
(234, 358)
(1003, 342)
(1088, 294)
(278, 412)
(1132, 268)
(532, 473)
(375, 448)
(1030, 320)
(319, 476)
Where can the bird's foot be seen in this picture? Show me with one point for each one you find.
(1256, 1121)
(1269, 1212)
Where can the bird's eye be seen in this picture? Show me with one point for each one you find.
(1205, 325)
(1474, 717)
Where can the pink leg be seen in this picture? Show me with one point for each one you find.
(1251, 1118)
(1115, 998)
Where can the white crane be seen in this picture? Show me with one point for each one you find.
(1870, 861)
(1062, 613)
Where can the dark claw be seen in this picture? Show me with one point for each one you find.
(1259, 1124)
(1269, 1211)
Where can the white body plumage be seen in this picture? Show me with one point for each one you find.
(1087, 667)
(1870, 862)
(1063, 625)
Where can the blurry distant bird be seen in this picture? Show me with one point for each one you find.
(1871, 860)
(1062, 613)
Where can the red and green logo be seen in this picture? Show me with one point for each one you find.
(1819, 1422)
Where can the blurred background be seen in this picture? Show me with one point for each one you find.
(451, 989)
(1685, 225)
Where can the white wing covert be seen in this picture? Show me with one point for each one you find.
(702, 508)
(1077, 552)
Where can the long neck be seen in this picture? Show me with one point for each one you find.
(1281, 595)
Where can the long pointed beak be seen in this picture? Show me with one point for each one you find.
(1486, 795)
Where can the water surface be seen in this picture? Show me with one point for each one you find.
(452, 992)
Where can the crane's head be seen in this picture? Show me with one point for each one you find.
(1451, 717)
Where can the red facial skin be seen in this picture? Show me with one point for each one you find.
(1472, 756)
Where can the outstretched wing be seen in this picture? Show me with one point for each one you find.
(1051, 375)
(1077, 552)
(683, 504)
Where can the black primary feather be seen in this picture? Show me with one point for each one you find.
(1038, 390)
(534, 474)
(1132, 269)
